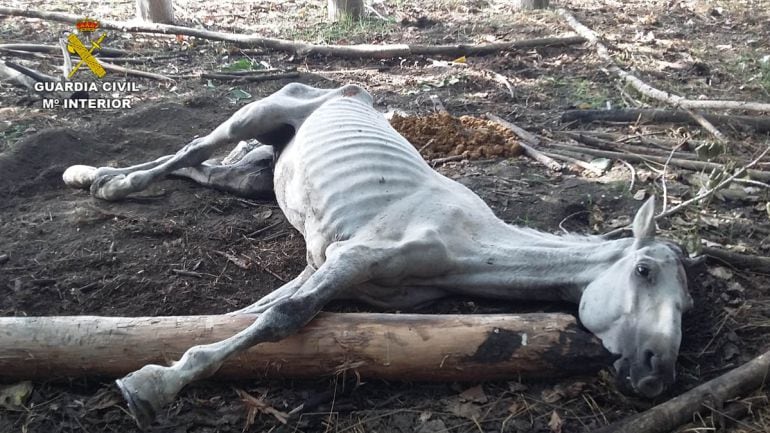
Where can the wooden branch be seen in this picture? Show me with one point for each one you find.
(528, 143)
(741, 261)
(387, 346)
(251, 78)
(66, 59)
(681, 163)
(646, 89)
(302, 48)
(578, 164)
(668, 416)
(35, 75)
(11, 75)
(601, 143)
(708, 126)
(757, 123)
(53, 49)
(134, 72)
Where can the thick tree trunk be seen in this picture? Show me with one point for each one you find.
(155, 11)
(529, 4)
(388, 346)
(345, 9)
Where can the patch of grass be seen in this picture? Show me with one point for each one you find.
(764, 75)
(588, 93)
(243, 65)
(580, 92)
(348, 30)
(11, 135)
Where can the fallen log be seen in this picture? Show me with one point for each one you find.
(757, 123)
(387, 346)
(679, 410)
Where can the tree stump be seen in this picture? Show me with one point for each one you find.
(529, 4)
(345, 9)
(155, 11)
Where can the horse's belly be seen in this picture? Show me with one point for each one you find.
(345, 166)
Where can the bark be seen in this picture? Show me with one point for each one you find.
(529, 4)
(155, 11)
(387, 346)
(305, 49)
(679, 410)
(345, 9)
(757, 123)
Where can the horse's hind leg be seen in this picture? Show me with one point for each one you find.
(271, 120)
(247, 172)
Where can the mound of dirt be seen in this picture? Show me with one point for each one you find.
(442, 134)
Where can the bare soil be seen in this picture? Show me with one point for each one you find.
(70, 254)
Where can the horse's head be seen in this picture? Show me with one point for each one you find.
(635, 307)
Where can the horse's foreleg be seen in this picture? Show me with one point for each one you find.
(149, 389)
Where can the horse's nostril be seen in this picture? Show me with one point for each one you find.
(649, 355)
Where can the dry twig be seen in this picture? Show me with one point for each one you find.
(716, 188)
(135, 72)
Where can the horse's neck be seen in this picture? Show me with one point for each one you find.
(536, 265)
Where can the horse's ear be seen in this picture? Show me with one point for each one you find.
(644, 221)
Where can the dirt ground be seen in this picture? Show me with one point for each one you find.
(69, 254)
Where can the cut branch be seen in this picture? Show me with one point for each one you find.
(388, 346)
(302, 48)
(757, 123)
(681, 163)
(646, 89)
(529, 141)
(679, 410)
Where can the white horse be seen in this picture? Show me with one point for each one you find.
(381, 226)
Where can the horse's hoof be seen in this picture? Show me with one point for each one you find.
(110, 187)
(141, 391)
(79, 176)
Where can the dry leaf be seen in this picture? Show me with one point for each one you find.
(475, 395)
(720, 272)
(556, 423)
(517, 408)
(13, 397)
(467, 410)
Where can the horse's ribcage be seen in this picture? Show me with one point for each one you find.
(355, 164)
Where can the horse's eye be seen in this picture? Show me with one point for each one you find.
(643, 270)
